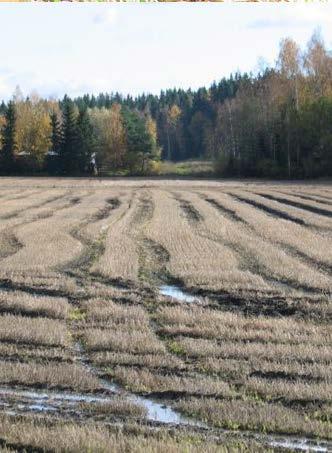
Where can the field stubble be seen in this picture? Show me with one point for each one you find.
(80, 308)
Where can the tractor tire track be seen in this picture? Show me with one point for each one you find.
(297, 204)
(8, 238)
(247, 264)
(291, 250)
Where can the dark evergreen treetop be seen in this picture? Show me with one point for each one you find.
(9, 145)
(69, 150)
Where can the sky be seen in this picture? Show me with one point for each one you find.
(77, 48)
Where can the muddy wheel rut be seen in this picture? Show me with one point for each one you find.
(228, 212)
(68, 405)
(42, 204)
(254, 266)
(292, 251)
(153, 257)
(11, 244)
(104, 213)
(79, 268)
(246, 263)
(274, 212)
(8, 236)
(16, 399)
(153, 263)
(297, 204)
(302, 196)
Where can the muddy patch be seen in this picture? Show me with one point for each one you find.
(92, 250)
(103, 213)
(143, 212)
(153, 259)
(270, 304)
(10, 244)
(189, 210)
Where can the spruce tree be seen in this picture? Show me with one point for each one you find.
(53, 158)
(86, 140)
(69, 150)
(56, 137)
(139, 142)
(9, 148)
(3, 108)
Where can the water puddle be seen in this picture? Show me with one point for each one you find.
(54, 396)
(300, 445)
(68, 403)
(162, 413)
(59, 401)
(41, 408)
(62, 402)
(35, 401)
(157, 412)
(175, 292)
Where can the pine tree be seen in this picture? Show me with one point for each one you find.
(9, 148)
(69, 150)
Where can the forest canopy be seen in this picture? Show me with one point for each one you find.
(277, 123)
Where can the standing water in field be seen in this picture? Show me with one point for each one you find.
(58, 401)
(300, 445)
(157, 412)
(175, 292)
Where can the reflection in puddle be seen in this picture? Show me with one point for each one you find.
(52, 402)
(157, 412)
(54, 396)
(41, 408)
(161, 413)
(176, 293)
(297, 444)
(58, 401)
(35, 401)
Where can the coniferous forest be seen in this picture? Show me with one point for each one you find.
(277, 123)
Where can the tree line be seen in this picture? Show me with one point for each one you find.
(277, 123)
(62, 138)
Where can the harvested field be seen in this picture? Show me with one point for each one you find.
(36, 331)
(165, 315)
(21, 303)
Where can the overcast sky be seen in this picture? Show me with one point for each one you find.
(74, 48)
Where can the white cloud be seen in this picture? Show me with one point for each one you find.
(311, 14)
(4, 88)
(294, 16)
(106, 17)
(109, 47)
